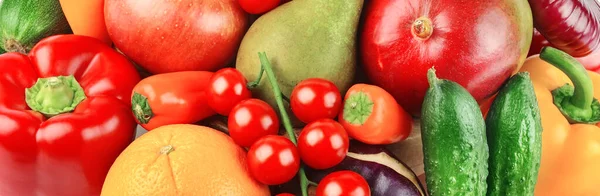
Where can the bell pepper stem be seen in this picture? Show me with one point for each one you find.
(54, 95)
(577, 103)
(266, 65)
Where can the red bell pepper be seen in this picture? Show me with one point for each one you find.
(64, 116)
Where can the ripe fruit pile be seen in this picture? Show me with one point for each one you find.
(489, 84)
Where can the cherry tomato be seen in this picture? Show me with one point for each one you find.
(273, 160)
(323, 144)
(251, 120)
(284, 194)
(314, 99)
(227, 87)
(372, 115)
(343, 183)
(259, 6)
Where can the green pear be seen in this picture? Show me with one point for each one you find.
(303, 39)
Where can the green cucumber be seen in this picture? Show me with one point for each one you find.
(514, 133)
(23, 23)
(454, 142)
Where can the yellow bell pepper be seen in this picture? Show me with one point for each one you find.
(570, 113)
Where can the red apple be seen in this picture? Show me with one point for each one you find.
(477, 44)
(177, 35)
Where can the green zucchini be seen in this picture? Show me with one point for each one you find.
(514, 133)
(23, 23)
(454, 142)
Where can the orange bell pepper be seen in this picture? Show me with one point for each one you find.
(86, 17)
(567, 96)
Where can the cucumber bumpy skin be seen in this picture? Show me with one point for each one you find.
(454, 140)
(514, 131)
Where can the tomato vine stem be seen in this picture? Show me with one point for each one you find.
(266, 66)
(255, 83)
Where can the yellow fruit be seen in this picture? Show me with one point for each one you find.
(182, 160)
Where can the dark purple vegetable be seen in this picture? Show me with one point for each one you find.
(385, 173)
(570, 25)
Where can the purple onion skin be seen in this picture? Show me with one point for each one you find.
(570, 25)
(382, 180)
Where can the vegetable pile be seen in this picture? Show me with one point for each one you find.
(299, 97)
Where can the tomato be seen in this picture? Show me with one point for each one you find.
(314, 99)
(343, 183)
(259, 6)
(284, 194)
(273, 160)
(227, 88)
(372, 116)
(250, 120)
(323, 144)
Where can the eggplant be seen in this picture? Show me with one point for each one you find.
(384, 172)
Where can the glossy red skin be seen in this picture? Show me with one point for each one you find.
(537, 43)
(348, 181)
(175, 98)
(571, 25)
(170, 36)
(326, 102)
(227, 88)
(474, 43)
(316, 144)
(267, 167)
(259, 6)
(251, 120)
(387, 123)
(285, 194)
(71, 153)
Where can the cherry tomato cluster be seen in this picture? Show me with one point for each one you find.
(274, 159)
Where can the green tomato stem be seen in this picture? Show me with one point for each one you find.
(255, 83)
(576, 102)
(266, 65)
(285, 98)
(278, 98)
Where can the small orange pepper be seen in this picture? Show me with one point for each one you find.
(86, 17)
(567, 96)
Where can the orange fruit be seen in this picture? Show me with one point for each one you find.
(182, 160)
